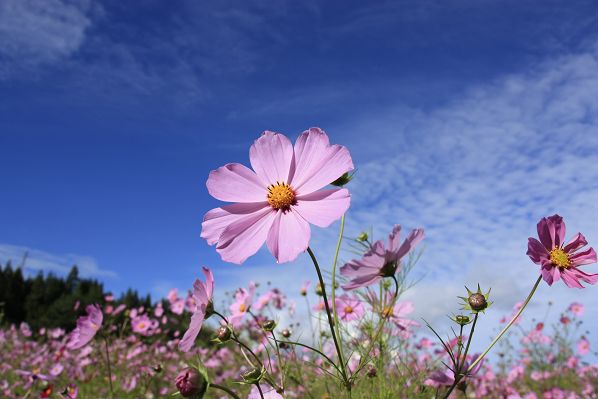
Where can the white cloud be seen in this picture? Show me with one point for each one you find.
(34, 32)
(37, 260)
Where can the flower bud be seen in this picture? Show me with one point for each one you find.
(319, 289)
(223, 334)
(269, 325)
(286, 333)
(462, 320)
(371, 372)
(253, 375)
(363, 237)
(477, 301)
(191, 383)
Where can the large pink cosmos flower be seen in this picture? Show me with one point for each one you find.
(276, 202)
(559, 260)
(87, 327)
(202, 294)
(380, 262)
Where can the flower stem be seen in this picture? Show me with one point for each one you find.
(504, 330)
(257, 384)
(458, 374)
(333, 293)
(330, 320)
(109, 367)
(225, 389)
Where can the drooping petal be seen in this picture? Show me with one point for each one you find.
(414, 238)
(536, 251)
(244, 236)
(570, 279)
(271, 157)
(317, 163)
(323, 207)
(588, 278)
(289, 236)
(577, 242)
(234, 182)
(362, 281)
(216, 220)
(371, 263)
(550, 274)
(583, 258)
(394, 238)
(194, 327)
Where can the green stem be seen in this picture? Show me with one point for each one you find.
(458, 374)
(225, 389)
(330, 320)
(109, 368)
(504, 330)
(336, 323)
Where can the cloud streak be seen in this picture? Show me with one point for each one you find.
(37, 260)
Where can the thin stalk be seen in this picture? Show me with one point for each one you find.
(335, 314)
(109, 367)
(225, 389)
(504, 330)
(458, 375)
(257, 384)
(330, 320)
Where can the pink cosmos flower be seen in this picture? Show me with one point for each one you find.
(243, 300)
(87, 327)
(349, 308)
(141, 324)
(397, 315)
(71, 391)
(380, 261)
(276, 202)
(583, 346)
(269, 393)
(202, 293)
(559, 260)
(178, 306)
(576, 308)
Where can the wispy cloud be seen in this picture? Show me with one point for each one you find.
(34, 32)
(37, 260)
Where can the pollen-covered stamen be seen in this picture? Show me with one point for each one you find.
(560, 258)
(281, 196)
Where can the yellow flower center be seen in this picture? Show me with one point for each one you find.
(560, 258)
(387, 312)
(348, 309)
(281, 196)
(141, 325)
(242, 308)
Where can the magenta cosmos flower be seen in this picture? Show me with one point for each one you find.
(380, 261)
(87, 327)
(349, 308)
(559, 260)
(202, 294)
(276, 202)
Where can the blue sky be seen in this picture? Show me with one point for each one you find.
(471, 119)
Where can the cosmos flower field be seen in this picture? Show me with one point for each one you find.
(359, 339)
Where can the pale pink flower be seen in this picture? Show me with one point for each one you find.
(178, 306)
(276, 202)
(172, 295)
(576, 308)
(202, 294)
(583, 346)
(269, 393)
(380, 261)
(560, 260)
(349, 308)
(56, 370)
(243, 300)
(141, 324)
(87, 327)
(25, 330)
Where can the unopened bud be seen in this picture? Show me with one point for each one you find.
(253, 375)
(371, 372)
(191, 383)
(477, 302)
(223, 334)
(269, 325)
(363, 237)
(286, 333)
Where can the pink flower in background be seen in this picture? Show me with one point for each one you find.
(56, 370)
(349, 308)
(71, 392)
(576, 308)
(559, 260)
(276, 202)
(141, 324)
(269, 393)
(398, 313)
(305, 287)
(172, 296)
(178, 306)
(380, 261)
(583, 346)
(202, 294)
(87, 327)
(243, 300)
(25, 330)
